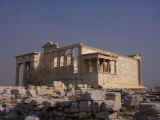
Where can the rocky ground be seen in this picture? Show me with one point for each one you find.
(18, 103)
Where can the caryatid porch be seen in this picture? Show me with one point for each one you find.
(98, 62)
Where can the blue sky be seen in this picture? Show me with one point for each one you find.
(121, 26)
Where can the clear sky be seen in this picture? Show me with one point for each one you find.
(121, 26)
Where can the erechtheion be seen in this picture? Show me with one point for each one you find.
(83, 65)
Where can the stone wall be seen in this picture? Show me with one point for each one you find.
(127, 75)
(128, 71)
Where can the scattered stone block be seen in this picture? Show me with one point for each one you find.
(30, 92)
(32, 118)
(150, 108)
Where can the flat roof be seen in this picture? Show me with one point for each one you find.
(26, 54)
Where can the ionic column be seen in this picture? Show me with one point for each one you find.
(90, 65)
(115, 67)
(24, 73)
(139, 73)
(52, 62)
(72, 57)
(65, 59)
(58, 61)
(112, 67)
(17, 74)
(108, 67)
(103, 63)
(97, 67)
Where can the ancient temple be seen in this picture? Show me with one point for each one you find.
(79, 64)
